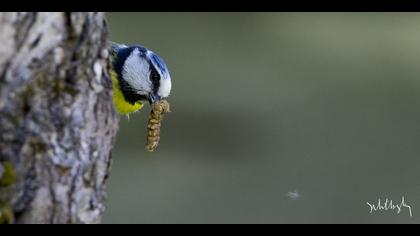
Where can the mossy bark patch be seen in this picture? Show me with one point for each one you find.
(7, 177)
(6, 216)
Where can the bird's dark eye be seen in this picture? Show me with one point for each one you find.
(154, 76)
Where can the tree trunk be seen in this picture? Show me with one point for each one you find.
(57, 118)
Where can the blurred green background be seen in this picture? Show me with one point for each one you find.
(324, 104)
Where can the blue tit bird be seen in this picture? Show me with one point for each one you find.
(138, 76)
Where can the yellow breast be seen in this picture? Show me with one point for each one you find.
(123, 107)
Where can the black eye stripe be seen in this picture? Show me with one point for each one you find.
(154, 76)
(155, 79)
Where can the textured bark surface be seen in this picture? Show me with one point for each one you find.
(57, 118)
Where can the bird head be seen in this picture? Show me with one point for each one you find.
(142, 74)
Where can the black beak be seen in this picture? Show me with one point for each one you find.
(154, 98)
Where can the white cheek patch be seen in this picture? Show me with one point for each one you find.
(135, 71)
(165, 87)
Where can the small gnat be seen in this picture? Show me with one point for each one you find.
(293, 195)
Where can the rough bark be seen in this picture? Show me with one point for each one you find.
(57, 119)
